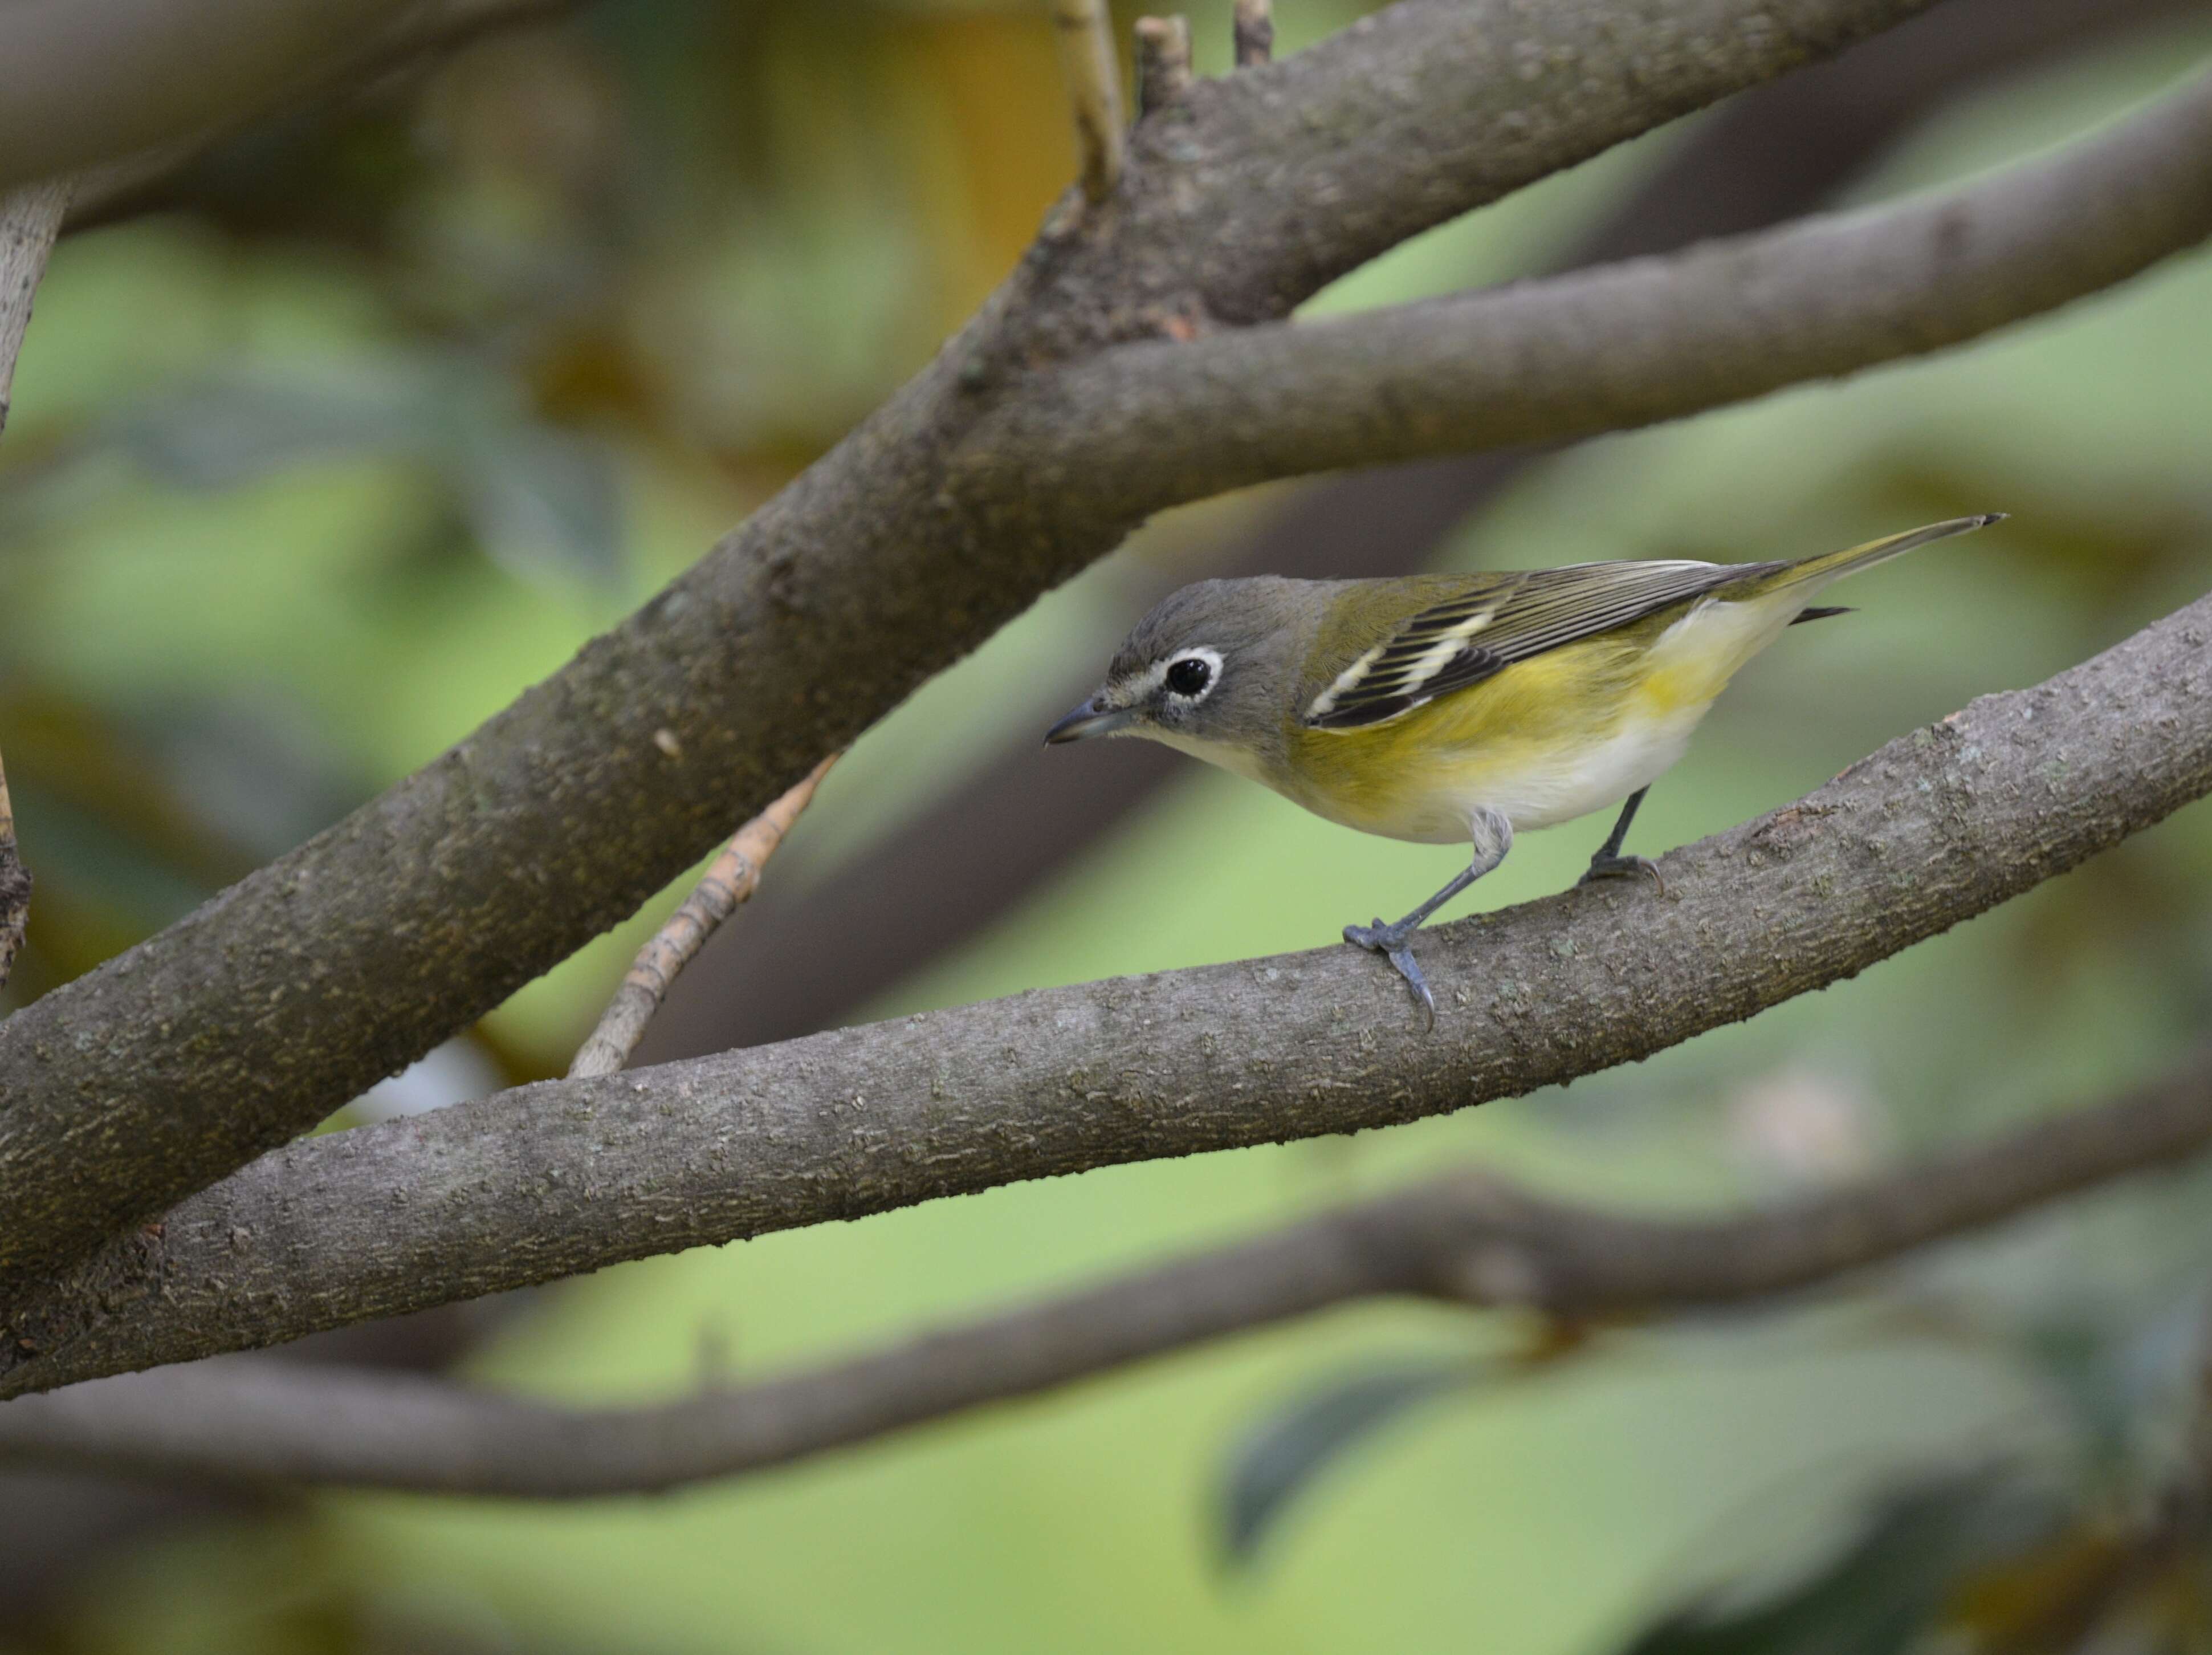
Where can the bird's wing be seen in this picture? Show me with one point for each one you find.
(1483, 630)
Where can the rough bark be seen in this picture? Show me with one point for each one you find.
(30, 218)
(1466, 1239)
(1622, 345)
(570, 1175)
(255, 1017)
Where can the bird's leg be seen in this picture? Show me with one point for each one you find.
(1610, 864)
(1493, 837)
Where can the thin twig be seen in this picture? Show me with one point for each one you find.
(1466, 1238)
(1255, 32)
(1094, 87)
(1162, 62)
(729, 882)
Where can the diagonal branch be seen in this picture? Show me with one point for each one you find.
(100, 85)
(250, 1020)
(564, 1177)
(15, 887)
(414, 38)
(1622, 345)
(30, 219)
(1468, 1238)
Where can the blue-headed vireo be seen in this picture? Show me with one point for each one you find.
(1440, 708)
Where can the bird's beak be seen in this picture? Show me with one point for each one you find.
(1087, 721)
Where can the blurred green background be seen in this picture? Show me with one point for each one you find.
(322, 453)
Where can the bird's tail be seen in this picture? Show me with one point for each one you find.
(1824, 566)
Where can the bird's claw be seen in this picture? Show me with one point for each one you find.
(1624, 867)
(1396, 944)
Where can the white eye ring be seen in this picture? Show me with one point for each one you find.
(1208, 659)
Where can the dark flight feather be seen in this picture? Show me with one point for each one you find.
(1513, 617)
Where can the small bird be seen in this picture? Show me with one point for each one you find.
(1444, 708)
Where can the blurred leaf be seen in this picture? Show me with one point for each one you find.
(2127, 1380)
(538, 496)
(1887, 1584)
(1280, 1458)
(253, 771)
(220, 432)
(91, 860)
(2074, 1356)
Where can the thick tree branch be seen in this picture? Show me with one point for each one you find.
(15, 887)
(97, 84)
(1622, 345)
(1469, 1238)
(416, 37)
(569, 1176)
(30, 219)
(254, 1018)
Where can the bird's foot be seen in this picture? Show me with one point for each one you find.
(1395, 944)
(1624, 867)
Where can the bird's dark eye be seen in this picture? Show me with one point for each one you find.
(1189, 676)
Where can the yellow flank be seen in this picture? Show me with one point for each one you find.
(1690, 681)
(1414, 777)
(1692, 662)
(1547, 740)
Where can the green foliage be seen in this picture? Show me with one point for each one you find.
(1283, 1454)
(1881, 1592)
(532, 494)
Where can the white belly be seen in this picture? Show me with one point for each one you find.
(1597, 776)
(1698, 655)
(1689, 665)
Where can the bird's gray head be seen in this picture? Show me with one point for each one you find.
(1210, 670)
